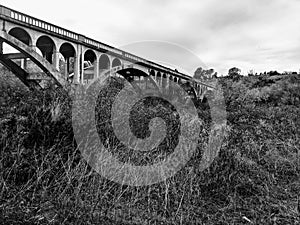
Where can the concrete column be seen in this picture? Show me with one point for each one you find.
(166, 84)
(96, 68)
(25, 63)
(170, 89)
(77, 65)
(56, 60)
(146, 82)
(22, 64)
(81, 68)
(3, 26)
(66, 68)
(76, 70)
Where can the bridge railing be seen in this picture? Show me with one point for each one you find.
(32, 21)
(103, 46)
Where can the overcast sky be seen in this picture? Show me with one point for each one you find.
(249, 34)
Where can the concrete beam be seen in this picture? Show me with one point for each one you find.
(15, 56)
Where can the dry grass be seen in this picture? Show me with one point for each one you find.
(44, 180)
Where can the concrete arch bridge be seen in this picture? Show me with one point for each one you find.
(46, 52)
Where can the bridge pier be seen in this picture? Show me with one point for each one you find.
(96, 68)
(81, 65)
(165, 83)
(170, 86)
(66, 68)
(76, 70)
(56, 60)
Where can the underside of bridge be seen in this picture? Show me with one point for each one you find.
(21, 41)
(145, 83)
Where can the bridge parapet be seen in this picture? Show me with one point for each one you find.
(22, 18)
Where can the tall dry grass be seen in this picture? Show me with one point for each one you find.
(44, 180)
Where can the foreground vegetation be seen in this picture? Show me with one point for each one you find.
(254, 180)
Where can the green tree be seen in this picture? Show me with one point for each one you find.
(201, 73)
(234, 73)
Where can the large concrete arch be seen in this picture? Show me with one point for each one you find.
(130, 73)
(43, 64)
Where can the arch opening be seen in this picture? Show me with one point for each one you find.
(164, 81)
(158, 78)
(152, 73)
(116, 62)
(67, 59)
(21, 35)
(104, 63)
(90, 66)
(67, 50)
(47, 46)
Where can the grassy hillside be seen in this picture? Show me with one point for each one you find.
(254, 180)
